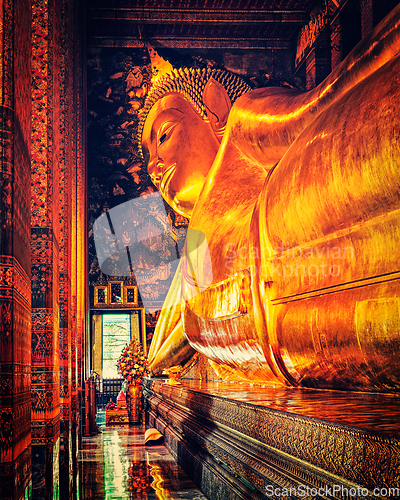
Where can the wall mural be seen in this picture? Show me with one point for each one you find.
(118, 81)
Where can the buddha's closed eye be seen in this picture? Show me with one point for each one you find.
(165, 131)
(162, 138)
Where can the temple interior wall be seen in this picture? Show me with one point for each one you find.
(46, 281)
(42, 296)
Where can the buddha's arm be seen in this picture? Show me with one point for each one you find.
(263, 123)
(175, 350)
(169, 346)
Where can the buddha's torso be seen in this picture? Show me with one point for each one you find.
(305, 263)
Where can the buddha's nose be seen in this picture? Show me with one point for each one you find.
(155, 170)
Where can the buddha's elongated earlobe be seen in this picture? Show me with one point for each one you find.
(218, 106)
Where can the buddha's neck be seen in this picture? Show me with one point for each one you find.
(224, 209)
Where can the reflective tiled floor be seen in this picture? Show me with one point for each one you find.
(115, 464)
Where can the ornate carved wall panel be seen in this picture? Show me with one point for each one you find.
(57, 245)
(45, 247)
(66, 332)
(15, 295)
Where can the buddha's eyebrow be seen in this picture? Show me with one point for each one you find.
(145, 154)
(167, 115)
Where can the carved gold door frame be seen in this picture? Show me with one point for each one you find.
(138, 332)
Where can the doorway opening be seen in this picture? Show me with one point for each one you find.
(111, 332)
(116, 334)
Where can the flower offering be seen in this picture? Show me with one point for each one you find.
(132, 364)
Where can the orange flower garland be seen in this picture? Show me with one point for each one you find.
(132, 364)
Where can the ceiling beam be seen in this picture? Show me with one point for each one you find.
(192, 43)
(197, 16)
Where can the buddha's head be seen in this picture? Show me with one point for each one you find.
(181, 128)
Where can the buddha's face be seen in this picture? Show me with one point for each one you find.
(180, 148)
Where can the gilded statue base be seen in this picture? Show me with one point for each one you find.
(134, 404)
(238, 441)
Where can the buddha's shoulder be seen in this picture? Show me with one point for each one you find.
(260, 102)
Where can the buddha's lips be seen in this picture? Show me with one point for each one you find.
(166, 178)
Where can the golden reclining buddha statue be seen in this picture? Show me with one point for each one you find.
(297, 196)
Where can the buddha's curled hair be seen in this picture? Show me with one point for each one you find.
(190, 82)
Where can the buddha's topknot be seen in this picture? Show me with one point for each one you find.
(190, 82)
